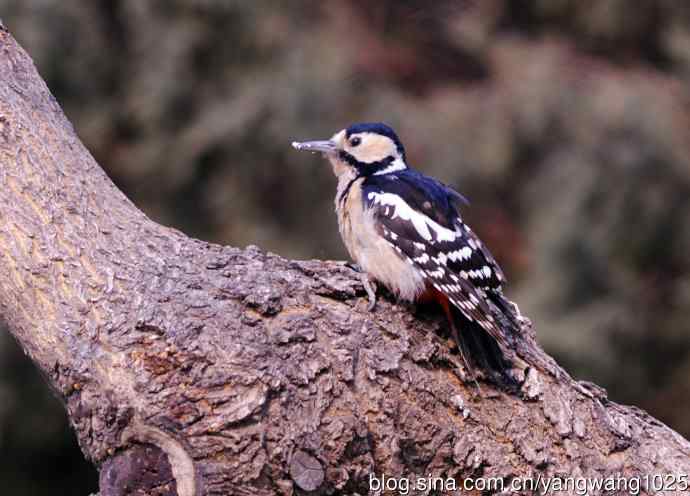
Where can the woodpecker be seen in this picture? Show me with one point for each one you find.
(404, 230)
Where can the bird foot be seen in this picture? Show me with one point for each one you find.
(369, 284)
(353, 266)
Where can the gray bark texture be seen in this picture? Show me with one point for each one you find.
(193, 369)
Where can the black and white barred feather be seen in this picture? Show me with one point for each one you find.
(419, 218)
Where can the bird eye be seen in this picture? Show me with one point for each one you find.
(355, 141)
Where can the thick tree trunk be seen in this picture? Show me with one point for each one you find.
(194, 369)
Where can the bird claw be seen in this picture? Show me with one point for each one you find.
(353, 266)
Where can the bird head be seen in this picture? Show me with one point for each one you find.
(365, 149)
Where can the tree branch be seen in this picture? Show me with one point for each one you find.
(193, 369)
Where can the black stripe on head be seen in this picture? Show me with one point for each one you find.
(365, 168)
(377, 128)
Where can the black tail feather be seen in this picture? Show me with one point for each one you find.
(507, 316)
(483, 350)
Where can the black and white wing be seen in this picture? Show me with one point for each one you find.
(417, 215)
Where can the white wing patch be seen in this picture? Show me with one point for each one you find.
(422, 224)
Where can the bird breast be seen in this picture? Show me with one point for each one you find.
(370, 250)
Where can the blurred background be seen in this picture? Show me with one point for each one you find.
(566, 123)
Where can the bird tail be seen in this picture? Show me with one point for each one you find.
(507, 315)
(493, 354)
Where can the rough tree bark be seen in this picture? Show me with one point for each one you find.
(194, 369)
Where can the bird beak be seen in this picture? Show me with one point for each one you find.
(323, 146)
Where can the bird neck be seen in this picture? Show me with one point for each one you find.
(346, 177)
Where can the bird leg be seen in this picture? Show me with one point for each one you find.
(370, 288)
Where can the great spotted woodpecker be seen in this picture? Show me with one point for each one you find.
(404, 230)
